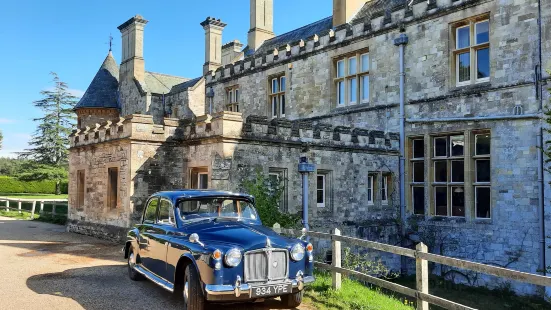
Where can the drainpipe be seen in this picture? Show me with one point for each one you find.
(540, 144)
(401, 42)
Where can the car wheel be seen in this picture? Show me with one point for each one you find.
(292, 300)
(191, 290)
(132, 273)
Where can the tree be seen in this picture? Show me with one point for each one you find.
(50, 140)
(1, 139)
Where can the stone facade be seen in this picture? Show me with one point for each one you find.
(168, 133)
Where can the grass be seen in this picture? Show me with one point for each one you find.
(478, 297)
(34, 196)
(24, 215)
(353, 295)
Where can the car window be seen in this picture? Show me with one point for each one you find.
(166, 213)
(217, 208)
(151, 211)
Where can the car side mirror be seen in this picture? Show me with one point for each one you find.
(194, 238)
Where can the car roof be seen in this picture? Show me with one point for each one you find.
(200, 193)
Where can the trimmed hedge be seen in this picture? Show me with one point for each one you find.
(11, 185)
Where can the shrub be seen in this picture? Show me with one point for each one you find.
(9, 185)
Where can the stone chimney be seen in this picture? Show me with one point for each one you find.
(344, 10)
(262, 22)
(230, 51)
(133, 64)
(213, 43)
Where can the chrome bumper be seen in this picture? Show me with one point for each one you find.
(243, 291)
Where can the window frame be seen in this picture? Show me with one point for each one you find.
(449, 184)
(476, 157)
(371, 188)
(385, 188)
(357, 77)
(232, 98)
(324, 190)
(170, 213)
(277, 95)
(81, 188)
(147, 207)
(110, 190)
(472, 49)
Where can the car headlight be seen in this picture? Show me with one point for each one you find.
(297, 252)
(233, 257)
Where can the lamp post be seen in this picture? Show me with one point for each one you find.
(305, 168)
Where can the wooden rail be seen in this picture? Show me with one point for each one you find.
(422, 257)
(53, 202)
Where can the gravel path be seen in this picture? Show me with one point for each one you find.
(44, 267)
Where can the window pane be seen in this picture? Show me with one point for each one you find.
(340, 68)
(418, 148)
(365, 62)
(228, 96)
(370, 188)
(458, 201)
(464, 67)
(458, 171)
(365, 88)
(483, 170)
(352, 90)
(274, 106)
(320, 182)
(482, 32)
(419, 171)
(440, 147)
(151, 212)
(164, 212)
(384, 188)
(203, 181)
(236, 108)
(483, 202)
(457, 144)
(282, 84)
(483, 63)
(482, 144)
(463, 37)
(282, 105)
(237, 95)
(441, 200)
(275, 86)
(440, 171)
(340, 92)
(320, 189)
(418, 200)
(351, 65)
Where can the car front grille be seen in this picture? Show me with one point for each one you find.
(266, 265)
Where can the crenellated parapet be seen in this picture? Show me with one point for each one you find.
(136, 127)
(379, 22)
(260, 129)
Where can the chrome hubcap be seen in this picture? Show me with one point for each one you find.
(186, 292)
(131, 261)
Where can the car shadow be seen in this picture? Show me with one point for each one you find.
(108, 287)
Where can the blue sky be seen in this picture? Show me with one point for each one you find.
(70, 38)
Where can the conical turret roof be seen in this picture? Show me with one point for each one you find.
(103, 91)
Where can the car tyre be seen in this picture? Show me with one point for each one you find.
(191, 290)
(292, 300)
(132, 273)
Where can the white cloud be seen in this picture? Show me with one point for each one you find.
(6, 121)
(13, 143)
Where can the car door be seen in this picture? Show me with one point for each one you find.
(164, 230)
(147, 230)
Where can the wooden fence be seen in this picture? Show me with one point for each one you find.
(42, 202)
(422, 257)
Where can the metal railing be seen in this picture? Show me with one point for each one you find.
(422, 257)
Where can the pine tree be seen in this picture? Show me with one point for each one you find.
(50, 140)
(1, 139)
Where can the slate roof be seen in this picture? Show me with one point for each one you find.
(159, 83)
(304, 32)
(103, 90)
(185, 85)
(378, 8)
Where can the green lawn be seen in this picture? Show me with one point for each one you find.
(34, 196)
(352, 295)
(24, 215)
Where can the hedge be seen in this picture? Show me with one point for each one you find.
(9, 185)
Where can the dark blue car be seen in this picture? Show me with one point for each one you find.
(210, 246)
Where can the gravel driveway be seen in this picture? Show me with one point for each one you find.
(44, 267)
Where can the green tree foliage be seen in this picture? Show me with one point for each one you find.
(50, 140)
(11, 166)
(1, 139)
(10, 185)
(267, 193)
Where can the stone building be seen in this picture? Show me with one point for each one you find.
(474, 93)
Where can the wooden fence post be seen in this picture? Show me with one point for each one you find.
(277, 228)
(53, 209)
(41, 207)
(33, 209)
(7, 205)
(19, 206)
(336, 260)
(422, 276)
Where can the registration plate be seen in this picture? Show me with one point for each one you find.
(271, 290)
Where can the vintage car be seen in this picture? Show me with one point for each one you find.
(210, 246)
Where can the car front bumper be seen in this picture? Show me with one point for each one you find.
(243, 291)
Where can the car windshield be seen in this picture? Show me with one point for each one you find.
(217, 208)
